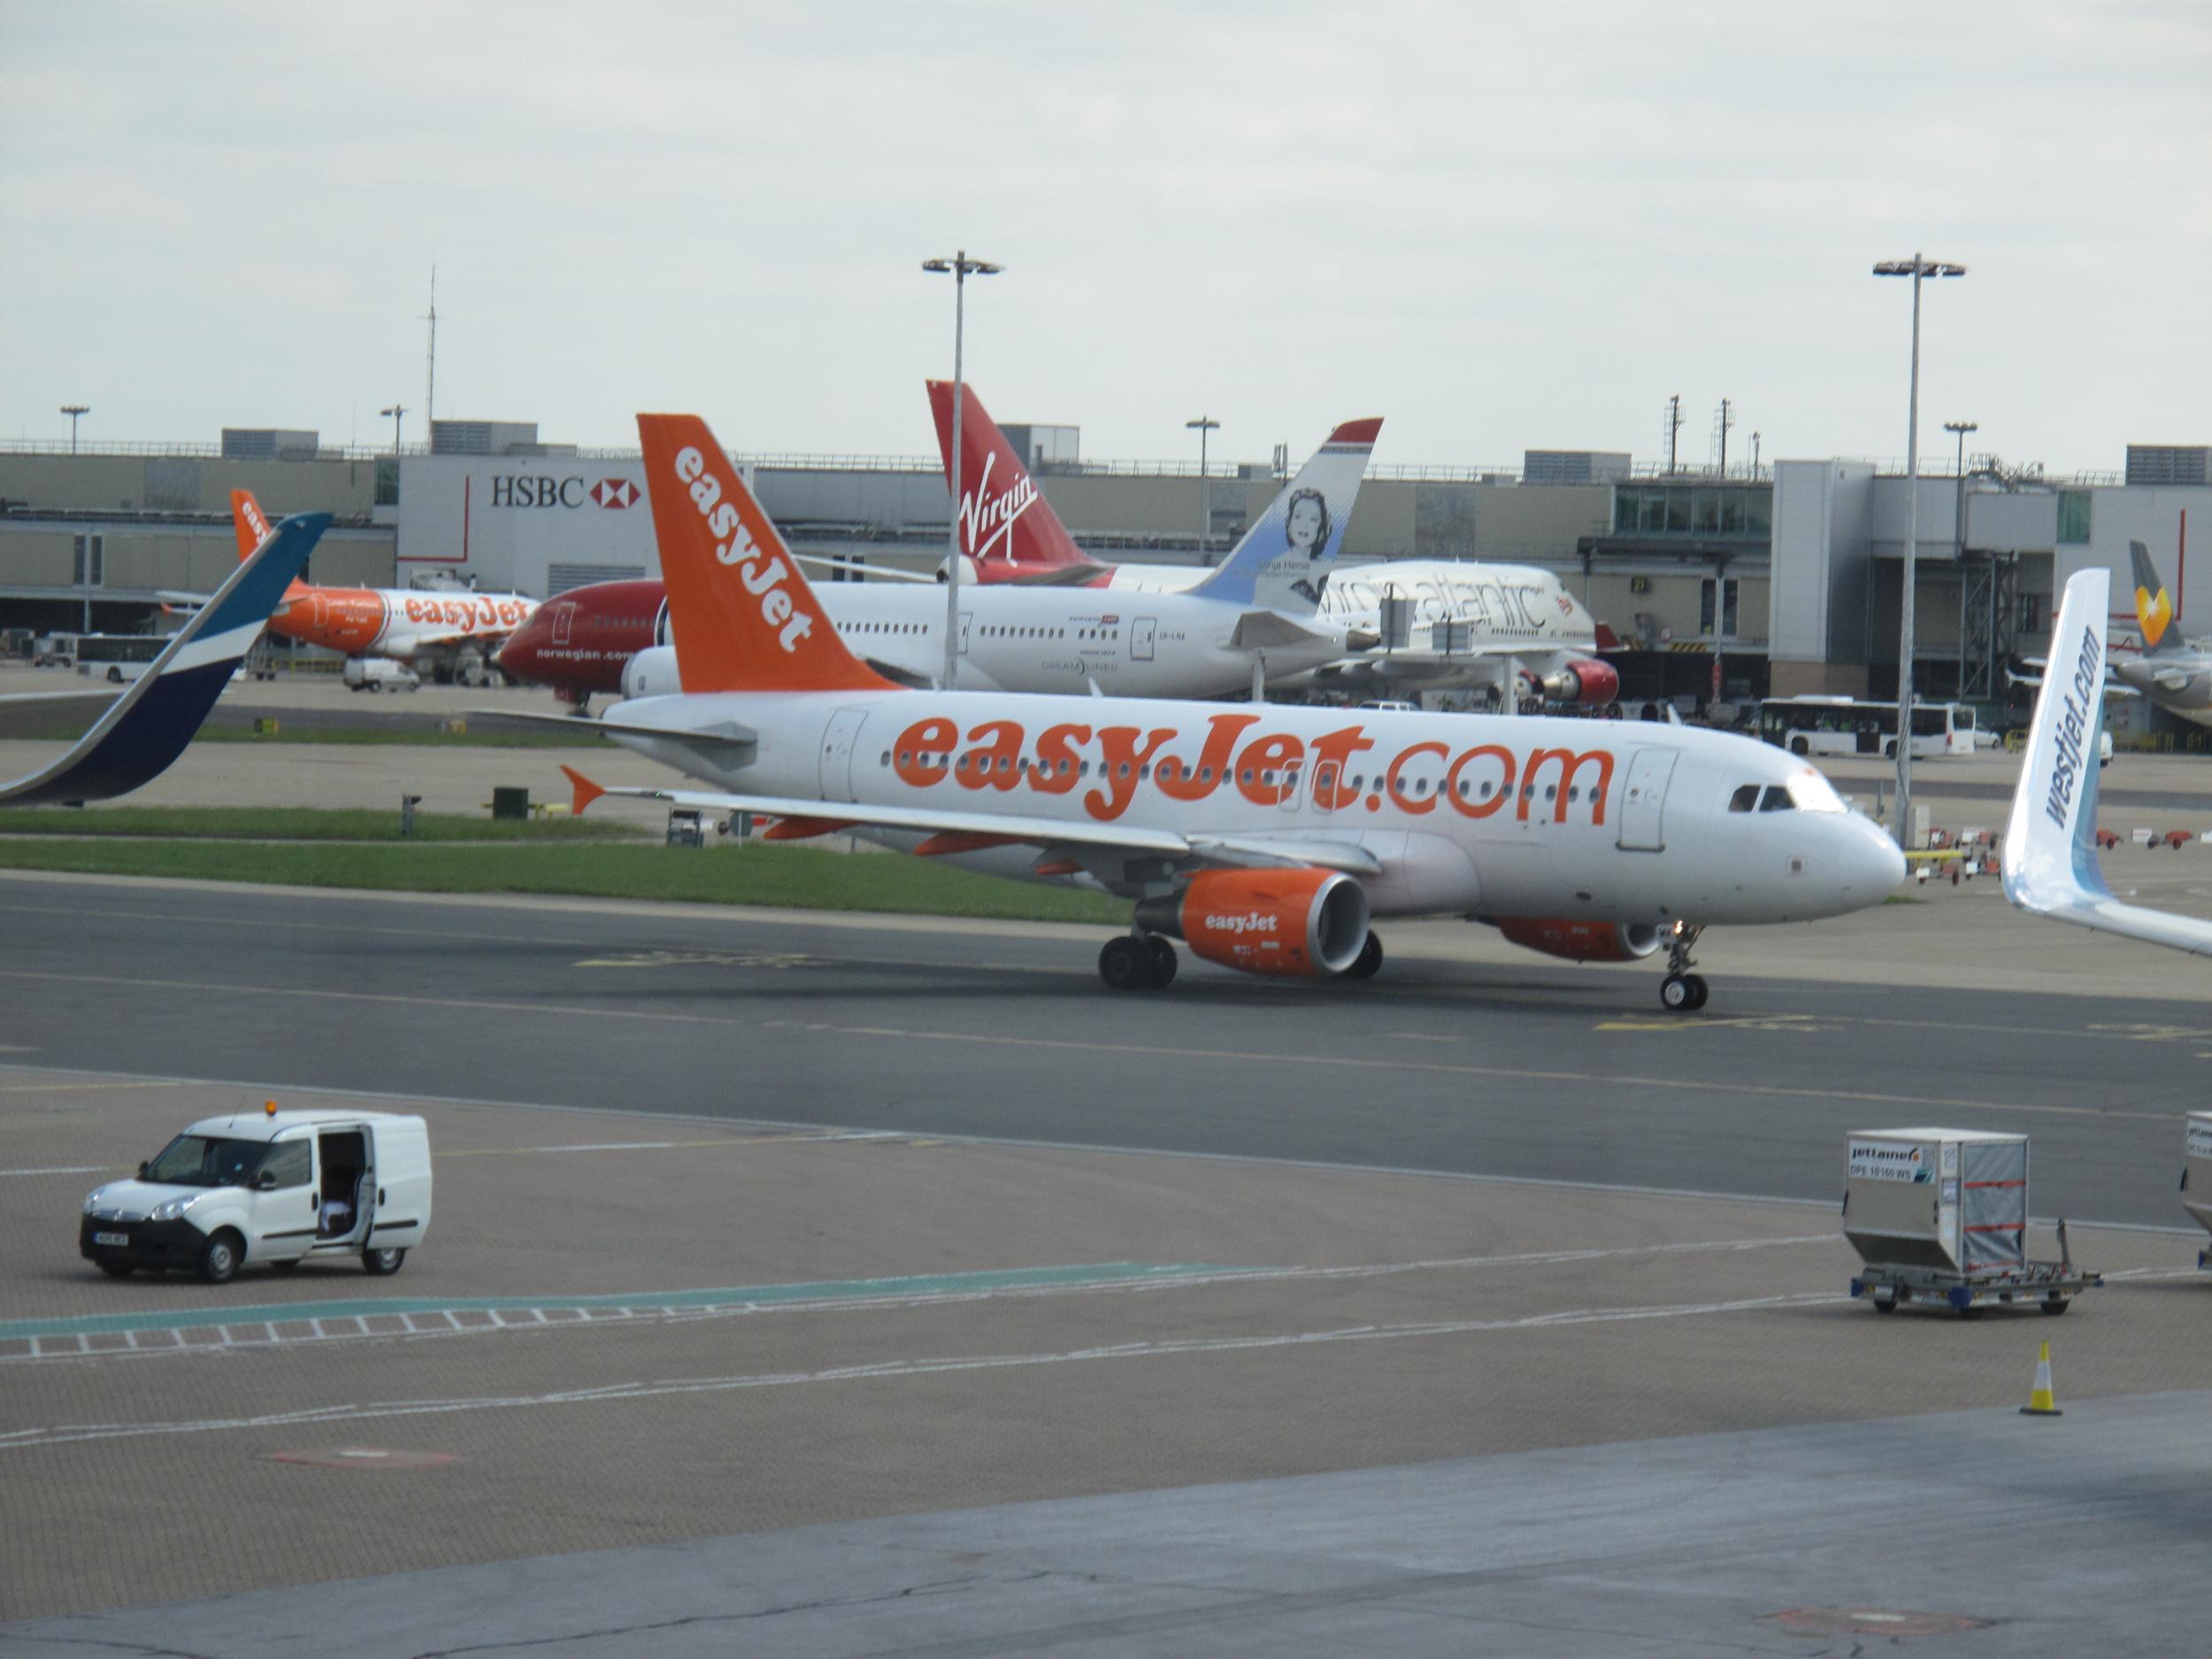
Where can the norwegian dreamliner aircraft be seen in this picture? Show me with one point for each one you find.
(1267, 839)
(452, 634)
(1521, 621)
(1255, 612)
(147, 727)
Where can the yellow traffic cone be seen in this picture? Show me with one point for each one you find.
(2041, 1404)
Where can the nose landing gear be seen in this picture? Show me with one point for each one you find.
(1682, 992)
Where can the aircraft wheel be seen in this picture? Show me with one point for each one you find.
(1125, 963)
(1370, 960)
(1163, 961)
(1676, 995)
(1699, 990)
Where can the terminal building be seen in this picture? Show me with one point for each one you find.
(1778, 578)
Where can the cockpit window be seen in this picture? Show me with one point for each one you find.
(1809, 791)
(1744, 799)
(1777, 799)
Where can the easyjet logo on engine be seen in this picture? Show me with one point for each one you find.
(1337, 771)
(1250, 922)
(734, 545)
(984, 525)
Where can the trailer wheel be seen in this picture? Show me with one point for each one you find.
(2054, 1305)
(1972, 1311)
(1885, 1305)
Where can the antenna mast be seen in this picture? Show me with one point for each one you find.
(430, 389)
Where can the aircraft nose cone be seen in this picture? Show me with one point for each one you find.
(1878, 866)
(518, 655)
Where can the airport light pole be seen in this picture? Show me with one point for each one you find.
(393, 415)
(1916, 268)
(1958, 513)
(73, 410)
(1202, 425)
(962, 268)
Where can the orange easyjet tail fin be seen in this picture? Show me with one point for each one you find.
(743, 617)
(252, 525)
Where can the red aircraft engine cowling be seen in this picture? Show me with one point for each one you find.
(1585, 680)
(1297, 923)
(1582, 941)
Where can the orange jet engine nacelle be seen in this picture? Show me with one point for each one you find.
(1296, 923)
(1582, 941)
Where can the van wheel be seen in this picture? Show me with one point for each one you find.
(383, 1263)
(118, 1270)
(221, 1256)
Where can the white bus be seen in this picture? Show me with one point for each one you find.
(1846, 725)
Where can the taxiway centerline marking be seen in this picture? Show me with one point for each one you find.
(948, 1289)
(66, 1434)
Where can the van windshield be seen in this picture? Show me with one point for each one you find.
(207, 1161)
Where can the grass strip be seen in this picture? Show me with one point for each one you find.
(802, 877)
(301, 823)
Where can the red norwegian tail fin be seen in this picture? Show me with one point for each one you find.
(252, 527)
(743, 617)
(1006, 526)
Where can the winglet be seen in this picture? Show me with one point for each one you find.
(585, 791)
(1006, 526)
(741, 613)
(1283, 560)
(2050, 860)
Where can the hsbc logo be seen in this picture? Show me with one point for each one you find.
(543, 489)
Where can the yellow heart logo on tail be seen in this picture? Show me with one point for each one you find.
(2153, 614)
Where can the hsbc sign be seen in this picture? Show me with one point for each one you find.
(546, 489)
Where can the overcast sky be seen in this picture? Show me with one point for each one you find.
(1500, 226)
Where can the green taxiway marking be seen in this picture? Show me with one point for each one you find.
(643, 1301)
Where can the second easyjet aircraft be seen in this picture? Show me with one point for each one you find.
(451, 634)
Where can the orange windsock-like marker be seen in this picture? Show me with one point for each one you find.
(585, 791)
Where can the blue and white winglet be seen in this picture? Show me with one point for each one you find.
(149, 725)
(2050, 854)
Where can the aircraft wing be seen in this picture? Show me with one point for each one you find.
(2050, 855)
(150, 725)
(1271, 630)
(729, 733)
(969, 831)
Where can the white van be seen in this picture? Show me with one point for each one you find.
(276, 1186)
(379, 673)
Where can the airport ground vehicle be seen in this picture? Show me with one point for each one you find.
(276, 1186)
(380, 673)
(1813, 724)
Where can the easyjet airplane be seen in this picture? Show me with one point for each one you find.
(451, 634)
(1520, 622)
(1266, 838)
(1255, 611)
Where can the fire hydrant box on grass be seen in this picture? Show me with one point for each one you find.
(1954, 1201)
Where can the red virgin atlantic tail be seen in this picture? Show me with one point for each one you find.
(1008, 530)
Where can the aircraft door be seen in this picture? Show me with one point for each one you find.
(961, 647)
(563, 618)
(1326, 776)
(1142, 631)
(1644, 801)
(837, 753)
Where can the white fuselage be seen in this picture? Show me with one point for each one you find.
(1050, 640)
(1522, 613)
(1501, 816)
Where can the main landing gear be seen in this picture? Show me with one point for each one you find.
(1682, 992)
(1136, 962)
